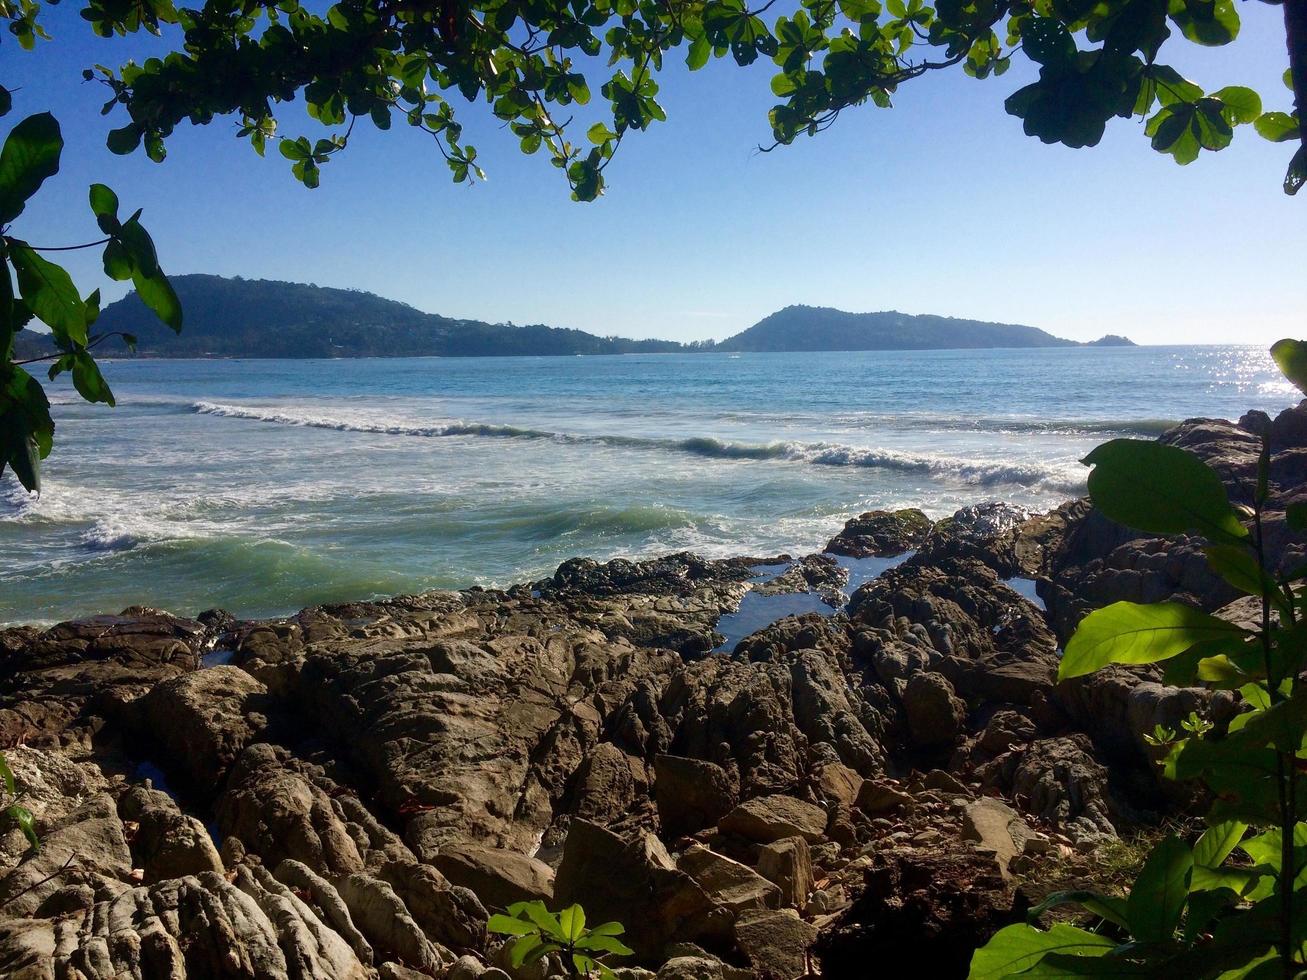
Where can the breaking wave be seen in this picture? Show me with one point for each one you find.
(1067, 477)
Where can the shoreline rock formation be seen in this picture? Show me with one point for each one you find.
(350, 792)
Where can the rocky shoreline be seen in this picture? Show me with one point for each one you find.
(886, 778)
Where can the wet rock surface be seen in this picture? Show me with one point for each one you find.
(357, 787)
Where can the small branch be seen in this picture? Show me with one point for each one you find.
(95, 342)
(68, 248)
(37, 884)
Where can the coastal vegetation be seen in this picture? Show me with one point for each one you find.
(1195, 908)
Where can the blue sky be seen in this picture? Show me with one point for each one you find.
(940, 205)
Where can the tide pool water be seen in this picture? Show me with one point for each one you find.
(266, 486)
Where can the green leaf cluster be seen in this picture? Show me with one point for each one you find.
(540, 933)
(533, 66)
(1191, 910)
(34, 288)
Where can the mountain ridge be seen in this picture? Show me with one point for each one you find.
(261, 318)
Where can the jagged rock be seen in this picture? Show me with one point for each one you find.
(202, 721)
(88, 841)
(450, 914)
(691, 968)
(775, 943)
(881, 533)
(380, 916)
(324, 895)
(311, 948)
(983, 532)
(609, 786)
(788, 863)
(167, 843)
(769, 818)
(279, 814)
(691, 793)
(729, 883)
(504, 718)
(821, 574)
(637, 883)
(1057, 780)
(838, 784)
(498, 877)
(876, 798)
(935, 713)
(199, 926)
(756, 712)
(1005, 729)
(996, 828)
(51, 679)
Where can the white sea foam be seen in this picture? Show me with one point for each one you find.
(1066, 476)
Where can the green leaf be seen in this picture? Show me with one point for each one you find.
(606, 944)
(1017, 948)
(26, 429)
(1217, 841)
(700, 49)
(1238, 566)
(609, 929)
(525, 947)
(1277, 127)
(104, 203)
(49, 292)
(88, 380)
(27, 824)
(1290, 357)
(1047, 41)
(1160, 489)
(118, 263)
(1129, 633)
(125, 140)
(1158, 897)
(7, 775)
(1103, 906)
(509, 926)
(1244, 104)
(571, 922)
(30, 155)
(541, 916)
(1206, 22)
(151, 284)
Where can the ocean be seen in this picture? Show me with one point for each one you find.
(265, 486)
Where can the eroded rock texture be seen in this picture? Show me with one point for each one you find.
(361, 785)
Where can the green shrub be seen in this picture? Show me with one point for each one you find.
(541, 932)
(1191, 911)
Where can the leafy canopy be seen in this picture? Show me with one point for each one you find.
(539, 64)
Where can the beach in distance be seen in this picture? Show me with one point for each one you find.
(265, 486)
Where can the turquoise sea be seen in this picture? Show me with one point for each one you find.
(265, 486)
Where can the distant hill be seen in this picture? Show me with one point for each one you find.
(28, 343)
(262, 318)
(814, 328)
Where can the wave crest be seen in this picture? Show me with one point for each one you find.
(1066, 477)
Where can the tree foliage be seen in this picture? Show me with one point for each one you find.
(539, 64)
(1193, 911)
(34, 288)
